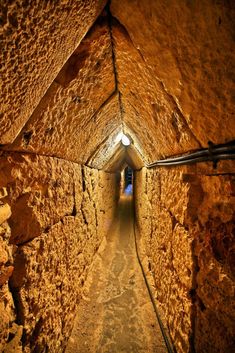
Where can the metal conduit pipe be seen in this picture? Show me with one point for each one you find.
(213, 153)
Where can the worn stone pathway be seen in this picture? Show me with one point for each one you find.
(116, 314)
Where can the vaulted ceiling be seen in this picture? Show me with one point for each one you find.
(74, 74)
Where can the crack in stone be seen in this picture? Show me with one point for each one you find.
(110, 22)
(174, 270)
(106, 101)
(47, 229)
(32, 153)
(83, 179)
(74, 212)
(19, 320)
(84, 216)
(178, 111)
(94, 115)
(90, 159)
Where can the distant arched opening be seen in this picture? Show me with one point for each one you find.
(128, 181)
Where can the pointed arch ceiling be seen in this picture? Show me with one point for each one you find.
(36, 39)
(162, 74)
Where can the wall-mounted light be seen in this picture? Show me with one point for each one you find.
(125, 140)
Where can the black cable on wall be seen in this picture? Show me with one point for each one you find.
(213, 153)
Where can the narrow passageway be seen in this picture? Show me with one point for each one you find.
(98, 98)
(116, 314)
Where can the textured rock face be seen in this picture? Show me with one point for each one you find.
(188, 49)
(81, 107)
(148, 107)
(172, 91)
(36, 40)
(215, 256)
(186, 220)
(9, 331)
(60, 213)
(168, 245)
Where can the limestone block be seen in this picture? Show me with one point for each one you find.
(107, 151)
(41, 192)
(50, 269)
(3, 251)
(223, 167)
(49, 288)
(175, 182)
(5, 235)
(107, 200)
(106, 124)
(142, 203)
(190, 249)
(5, 212)
(72, 118)
(78, 187)
(187, 49)
(216, 287)
(50, 272)
(7, 307)
(219, 339)
(148, 106)
(171, 264)
(36, 40)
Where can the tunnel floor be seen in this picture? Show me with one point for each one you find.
(115, 314)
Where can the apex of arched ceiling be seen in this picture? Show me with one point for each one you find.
(72, 80)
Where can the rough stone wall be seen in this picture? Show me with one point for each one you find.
(162, 71)
(215, 253)
(148, 108)
(60, 213)
(37, 37)
(159, 71)
(186, 222)
(9, 330)
(186, 51)
(80, 100)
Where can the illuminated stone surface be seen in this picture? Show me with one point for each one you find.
(73, 76)
(186, 221)
(36, 40)
(63, 210)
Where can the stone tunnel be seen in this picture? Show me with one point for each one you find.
(77, 76)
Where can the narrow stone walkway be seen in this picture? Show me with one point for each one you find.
(116, 314)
